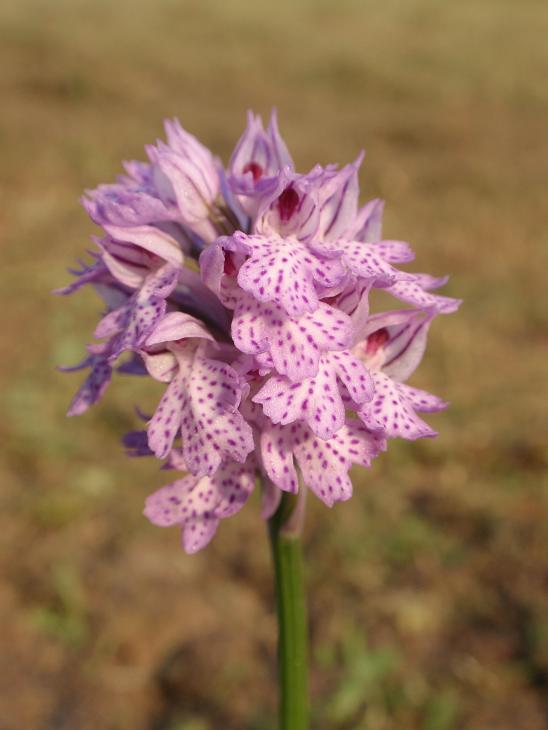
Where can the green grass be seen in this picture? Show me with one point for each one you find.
(427, 590)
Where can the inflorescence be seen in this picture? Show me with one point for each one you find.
(246, 291)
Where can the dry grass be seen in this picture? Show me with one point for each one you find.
(428, 590)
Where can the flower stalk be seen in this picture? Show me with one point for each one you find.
(285, 528)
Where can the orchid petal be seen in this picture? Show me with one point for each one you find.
(295, 346)
(325, 464)
(284, 272)
(423, 401)
(202, 401)
(277, 455)
(198, 504)
(412, 292)
(93, 388)
(391, 411)
(317, 400)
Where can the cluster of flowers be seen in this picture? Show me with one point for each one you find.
(247, 290)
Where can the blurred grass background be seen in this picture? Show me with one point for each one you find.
(428, 591)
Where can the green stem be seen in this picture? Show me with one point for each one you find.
(292, 624)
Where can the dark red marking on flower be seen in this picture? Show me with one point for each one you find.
(376, 340)
(230, 266)
(152, 258)
(287, 203)
(255, 169)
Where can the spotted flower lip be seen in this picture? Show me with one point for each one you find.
(292, 347)
(248, 294)
(197, 504)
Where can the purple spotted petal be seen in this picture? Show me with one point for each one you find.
(214, 390)
(396, 252)
(392, 411)
(413, 293)
(294, 346)
(202, 401)
(213, 427)
(426, 281)
(277, 443)
(166, 421)
(131, 324)
(317, 400)
(93, 388)
(284, 272)
(325, 464)
(188, 503)
(197, 504)
(423, 401)
(362, 261)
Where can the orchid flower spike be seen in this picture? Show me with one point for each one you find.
(248, 292)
